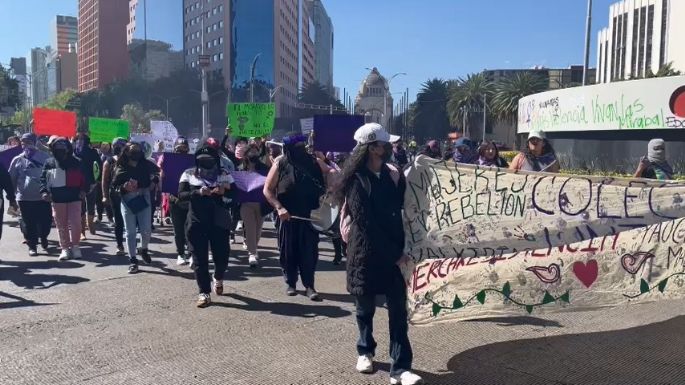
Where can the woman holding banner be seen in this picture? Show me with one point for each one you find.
(111, 197)
(133, 178)
(537, 155)
(253, 207)
(293, 187)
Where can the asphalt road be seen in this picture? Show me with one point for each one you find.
(89, 322)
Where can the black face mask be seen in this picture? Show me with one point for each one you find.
(59, 154)
(136, 156)
(206, 164)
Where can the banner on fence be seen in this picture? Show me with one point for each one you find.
(173, 165)
(165, 132)
(54, 122)
(105, 130)
(251, 119)
(336, 132)
(487, 242)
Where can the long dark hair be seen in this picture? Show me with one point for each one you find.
(546, 149)
(353, 164)
(246, 161)
(125, 156)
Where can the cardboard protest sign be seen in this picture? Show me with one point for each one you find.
(173, 165)
(251, 119)
(147, 138)
(54, 122)
(489, 242)
(165, 132)
(250, 186)
(105, 130)
(336, 132)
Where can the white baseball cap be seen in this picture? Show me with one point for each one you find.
(536, 134)
(374, 132)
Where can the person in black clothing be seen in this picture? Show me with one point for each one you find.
(293, 187)
(6, 184)
(178, 209)
(111, 196)
(91, 164)
(374, 196)
(208, 189)
(400, 154)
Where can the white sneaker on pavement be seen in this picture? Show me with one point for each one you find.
(192, 264)
(253, 259)
(76, 252)
(181, 260)
(365, 364)
(406, 378)
(239, 226)
(64, 255)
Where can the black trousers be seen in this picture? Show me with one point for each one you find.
(179, 215)
(115, 200)
(36, 217)
(201, 237)
(100, 207)
(298, 245)
(88, 204)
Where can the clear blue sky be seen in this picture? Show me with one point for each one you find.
(426, 39)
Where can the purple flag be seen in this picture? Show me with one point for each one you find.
(335, 133)
(173, 165)
(9, 154)
(250, 186)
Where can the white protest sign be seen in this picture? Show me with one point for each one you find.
(164, 131)
(307, 125)
(489, 242)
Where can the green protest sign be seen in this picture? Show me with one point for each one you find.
(251, 119)
(105, 130)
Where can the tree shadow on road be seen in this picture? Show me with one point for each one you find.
(18, 302)
(289, 309)
(518, 321)
(650, 354)
(19, 273)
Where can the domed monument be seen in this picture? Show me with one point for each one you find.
(374, 100)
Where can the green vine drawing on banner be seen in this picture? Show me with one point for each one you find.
(505, 292)
(644, 286)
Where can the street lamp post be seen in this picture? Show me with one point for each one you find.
(167, 100)
(252, 68)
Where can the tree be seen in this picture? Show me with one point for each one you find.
(508, 91)
(9, 90)
(317, 101)
(22, 118)
(65, 100)
(139, 119)
(430, 118)
(467, 96)
(666, 70)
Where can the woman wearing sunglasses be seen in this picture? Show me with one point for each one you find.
(537, 155)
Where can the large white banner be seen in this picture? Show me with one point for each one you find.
(490, 242)
(164, 131)
(636, 104)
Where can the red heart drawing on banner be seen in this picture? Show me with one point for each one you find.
(586, 273)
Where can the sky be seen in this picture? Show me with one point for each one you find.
(446, 39)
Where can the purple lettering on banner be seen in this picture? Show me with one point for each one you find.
(9, 154)
(336, 132)
(249, 186)
(173, 165)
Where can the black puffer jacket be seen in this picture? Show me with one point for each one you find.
(376, 237)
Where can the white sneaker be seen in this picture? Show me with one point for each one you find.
(239, 226)
(244, 246)
(33, 253)
(76, 252)
(406, 378)
(365, 364)
(253, 259)
(64, 255)
(181, 260)
(192, 264)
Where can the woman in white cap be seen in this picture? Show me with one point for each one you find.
(654, 165)
(537, 155)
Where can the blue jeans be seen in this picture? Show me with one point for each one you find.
(141, 221)
(400, 348)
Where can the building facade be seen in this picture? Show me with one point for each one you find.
(642, 36)
(153, 59)
(64, 34)
(149, 20)
(323, 37)
(374, 100)
(39, 75)
(102, 51)
(264, 49)
(554, 78)
(18, 67)
(62, 73)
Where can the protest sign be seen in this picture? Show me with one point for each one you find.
(8, 154)
(146, 138)
(487, 242)
(249, 186)
(251, 119)
(54, 122)
(165, 132)
(336, 132)
(173, 165)
(105, 130)
(307, 125)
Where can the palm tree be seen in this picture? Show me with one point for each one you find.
(466, 97)
(508, 92)
(667, 70)
(317, 95)
(430, 118)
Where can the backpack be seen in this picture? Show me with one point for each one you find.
(345, 218)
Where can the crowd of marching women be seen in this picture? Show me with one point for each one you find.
(231, 187)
